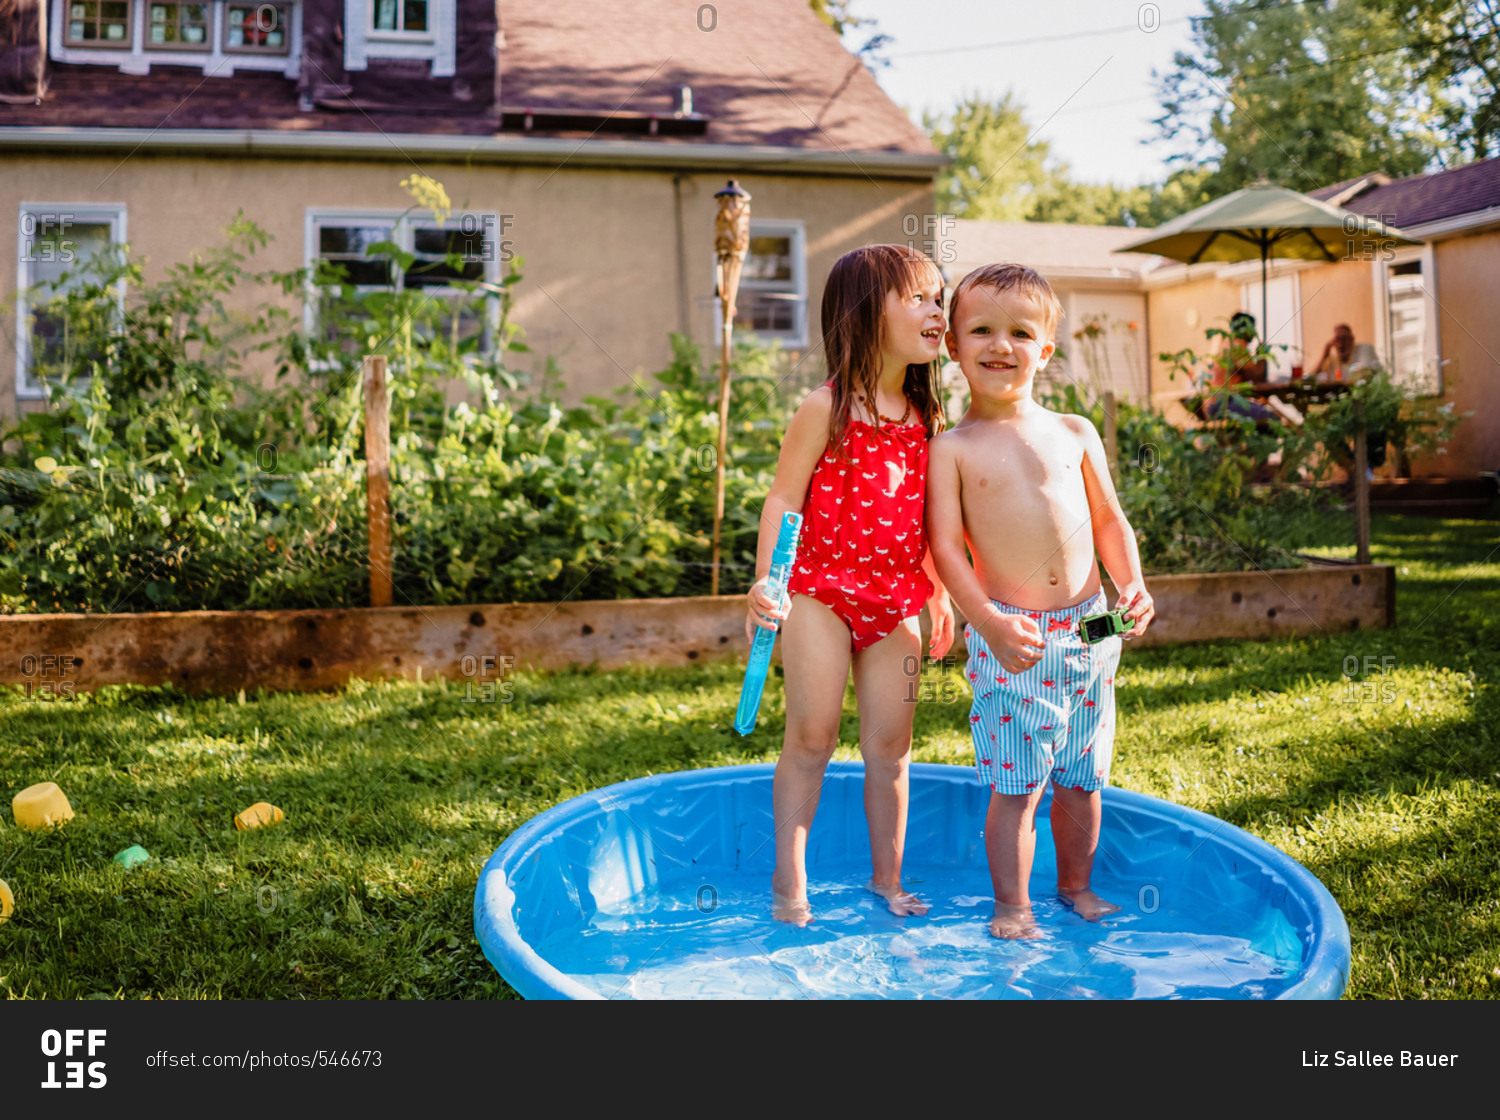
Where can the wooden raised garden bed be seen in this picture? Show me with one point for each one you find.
(224, 651)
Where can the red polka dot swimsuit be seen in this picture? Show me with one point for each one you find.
(863, 532)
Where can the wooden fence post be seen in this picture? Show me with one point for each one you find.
(378, 480)
(1111, 435)
(1361, 488)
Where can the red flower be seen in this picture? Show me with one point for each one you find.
(973, 719)
(1049, 684)
(1008, 765)
(1089, 704)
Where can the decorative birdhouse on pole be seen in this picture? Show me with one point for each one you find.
(731, 244)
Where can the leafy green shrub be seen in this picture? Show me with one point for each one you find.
(1191, 495)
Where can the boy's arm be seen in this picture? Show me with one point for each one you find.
(939, 609)
(1114, 539)
(1016, 641)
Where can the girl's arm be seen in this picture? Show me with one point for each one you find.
(805, 441)
(939, 609)
(1114, 539)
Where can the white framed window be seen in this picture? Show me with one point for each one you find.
(181, 27)
(221, 36)
(1407, 331)
(98, 23)
(55, 244)
(345, 237)
(772, 300)
(415, 30)
(404, 19)
(257, 28)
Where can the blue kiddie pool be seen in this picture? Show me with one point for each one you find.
(659, 888)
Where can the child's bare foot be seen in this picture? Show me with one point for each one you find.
(791, 909)
(1014, 923)
(1086, 904)
(902, 904)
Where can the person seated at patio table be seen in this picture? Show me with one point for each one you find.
(1337, 353)
(1236, 364)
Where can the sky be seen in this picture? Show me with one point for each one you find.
(1094, 72)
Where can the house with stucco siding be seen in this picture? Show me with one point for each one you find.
(587, 138)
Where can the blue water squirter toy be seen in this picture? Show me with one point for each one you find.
(765, 637)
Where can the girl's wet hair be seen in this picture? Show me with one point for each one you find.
(854, 330)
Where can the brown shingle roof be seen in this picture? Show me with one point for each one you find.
(770, 74)
(1421, 199)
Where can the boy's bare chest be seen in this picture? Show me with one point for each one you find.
(1045, 461)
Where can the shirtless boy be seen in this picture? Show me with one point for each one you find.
(1029, 490)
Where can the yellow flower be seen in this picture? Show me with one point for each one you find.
(429, 193)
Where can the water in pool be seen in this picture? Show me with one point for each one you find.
(719, 941)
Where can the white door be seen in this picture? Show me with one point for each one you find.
(1283, 326)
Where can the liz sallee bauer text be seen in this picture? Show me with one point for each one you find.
(1370, 1058)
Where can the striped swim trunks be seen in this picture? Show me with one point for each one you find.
(1056, 720)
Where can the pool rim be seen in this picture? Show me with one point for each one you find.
(1324, 974)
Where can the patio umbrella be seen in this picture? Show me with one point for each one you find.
(1265, 221)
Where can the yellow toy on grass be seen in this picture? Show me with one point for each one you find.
(7, 902)
(259, 815)
(41, 806)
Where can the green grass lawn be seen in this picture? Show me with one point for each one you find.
(396, 793)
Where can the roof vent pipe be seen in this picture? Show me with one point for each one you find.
(685, 102)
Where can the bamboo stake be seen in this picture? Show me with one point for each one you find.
(378, 480)
(731, 244)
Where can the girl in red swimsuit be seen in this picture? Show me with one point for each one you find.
(854, 464)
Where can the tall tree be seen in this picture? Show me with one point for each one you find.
(840, 15)
(1303, 93)
(999, 172)
(1454, 60)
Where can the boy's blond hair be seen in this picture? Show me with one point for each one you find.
(1004, 275)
